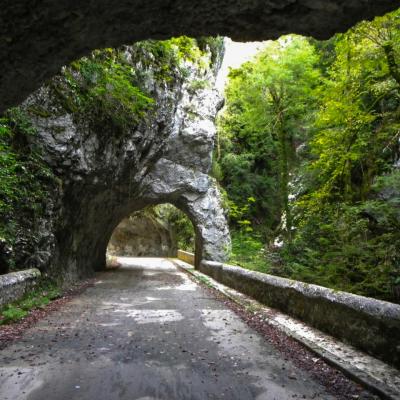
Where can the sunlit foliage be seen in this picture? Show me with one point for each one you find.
(326, 124)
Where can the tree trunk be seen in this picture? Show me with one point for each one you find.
(284, 177)
(391, 60)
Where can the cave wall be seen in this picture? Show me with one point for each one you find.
(142, 235)
(105, 174)
(38, 37)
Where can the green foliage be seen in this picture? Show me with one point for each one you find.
(38, 298)
(169, 60)
(24, 176)
(346, 248)
(264, 117)
(180, 224)
(348, 218)
(237, 214)
(215, 45)
(196, 85)
(336, 202)
(107, 88)
(248, 251)
(103, 86)
(12, 314)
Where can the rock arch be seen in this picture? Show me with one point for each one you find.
(105, 174)
(81, 246)
(37, 38)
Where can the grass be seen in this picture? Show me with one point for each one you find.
(40, 297)
(248, 251)
(204, 280)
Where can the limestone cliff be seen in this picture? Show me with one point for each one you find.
(115, 148)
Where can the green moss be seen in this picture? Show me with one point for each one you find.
(103, 88)
(107, 89)
(39, 111)
(39, 298)
(196, 85)
(204, 280)
(215, 45)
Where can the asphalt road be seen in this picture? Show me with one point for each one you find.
(147, 332)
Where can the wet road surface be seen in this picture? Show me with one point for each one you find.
(147, 332)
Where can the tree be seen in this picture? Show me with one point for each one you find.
(270, 105)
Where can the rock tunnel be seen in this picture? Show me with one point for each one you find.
(157, 231)
(104, 176)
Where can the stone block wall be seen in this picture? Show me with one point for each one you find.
(186, 256)
(15, 284)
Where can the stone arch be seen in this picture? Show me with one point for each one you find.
(105, 175)
(86, 243)
(81, 245)
(202, 207)
(36, 39)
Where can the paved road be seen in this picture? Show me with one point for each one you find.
(147, 332)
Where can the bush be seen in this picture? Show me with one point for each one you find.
(248, 251)
(12, 314)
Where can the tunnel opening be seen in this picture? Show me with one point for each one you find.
(155, 231)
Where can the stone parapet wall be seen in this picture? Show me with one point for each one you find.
(368, 324)
(14, 285)
(186, 256)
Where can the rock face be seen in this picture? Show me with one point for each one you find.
(105, 175)
(36, 39)
(142, 235)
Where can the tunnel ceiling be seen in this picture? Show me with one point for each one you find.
(37, 37)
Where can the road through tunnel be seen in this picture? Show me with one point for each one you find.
(84, 241)
(160, 230)
(105, 168)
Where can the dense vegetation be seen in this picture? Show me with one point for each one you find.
(179, 224)
(25, 181)
(308, 154)
(40, 297)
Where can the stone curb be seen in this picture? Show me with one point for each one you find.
(364, 378)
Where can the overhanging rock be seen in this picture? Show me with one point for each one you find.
(36, 39)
